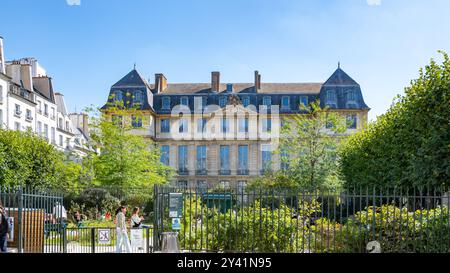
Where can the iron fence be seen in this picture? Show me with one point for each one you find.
(98, 240)
(295, 221)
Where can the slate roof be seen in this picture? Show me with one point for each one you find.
(132, 79)
(339, 77)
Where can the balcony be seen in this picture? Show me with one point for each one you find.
(201, 172)
(243, 172)
(18, 113)
(29, 118)
(18, 91)
(183, 172)
(225, 172)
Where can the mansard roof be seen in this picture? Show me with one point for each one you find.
(132, 79)
(339, 77)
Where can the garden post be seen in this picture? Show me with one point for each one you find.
(93, 240)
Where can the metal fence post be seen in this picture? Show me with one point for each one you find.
(93, 240)
(147, 234)
(20, 244)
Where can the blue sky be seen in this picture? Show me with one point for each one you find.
(88, 47)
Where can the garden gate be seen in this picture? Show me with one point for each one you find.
(36, 217)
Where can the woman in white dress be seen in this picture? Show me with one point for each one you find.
(121, 229)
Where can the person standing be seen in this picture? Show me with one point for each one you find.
(121, 229)
(4, 229)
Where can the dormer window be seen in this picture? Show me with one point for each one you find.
(246, 101)
(285, 102)
(166, 103)
(267, 101)
(184, 101)
(304, 101)
(138, 97)
(331, 98)
(118, 96)
(222, 101)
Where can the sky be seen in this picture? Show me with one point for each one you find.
(88, 45)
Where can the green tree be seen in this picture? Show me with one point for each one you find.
(408, 146)
(310, 140)
(126, 158)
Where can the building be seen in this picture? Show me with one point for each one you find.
(28, 102)
(215, 133)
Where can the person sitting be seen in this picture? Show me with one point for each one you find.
(136, 220)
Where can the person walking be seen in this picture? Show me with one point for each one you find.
(121, 229)
(4, 229)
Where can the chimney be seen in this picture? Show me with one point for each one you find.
(215, 81)
(257, 80)
(85, 124)
(26, 77)
(160, 82)
(2, 57)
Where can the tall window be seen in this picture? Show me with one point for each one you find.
(304, 101)
(46, 131)
(45, 109)
(222, 101)
(136, 121)
(246, 101)
(118, 96)
(184, 101)
(224, 159)
(331, 97)
(17, 126)
(165, 125)
(53, 135)
(28, 115)
(39, 128)
(53, 113)
(285, 102)
(201, 125)
(61, 140)
(17, 108)
(183, 158)
(267, 101)
(243, 125)
(266, 158)
(138, 98)
(351, 97)
(39, 107)
(284, 156)
(166, 103)
(241, 186)
(266, 124)
(165, 153)
(243, 159)
(351, 121)
(225, 125)
(183, 125)
(201, 158)
(202, 101)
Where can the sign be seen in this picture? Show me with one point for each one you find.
(175, 205)
(176, 223)
(137, 238)
(104, 236)
(11, 231)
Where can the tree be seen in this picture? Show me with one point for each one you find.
(408, 146)
(126, 159)
(311, 141)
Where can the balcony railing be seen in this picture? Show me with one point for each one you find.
(18, 113)
(243, 172)
(265, 171)
(225, 172)
(19, 91)
(183, 172)
(201, 172)
(29, 118)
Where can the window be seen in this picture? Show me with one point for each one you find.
(202, 185)
(266, 125)
(53, 135)
(45, 109)
(17, 126)
(136, 122)
(60, 123)
(201, 158)
(46, 131)
(118, 96)
(267, 101)
(201, 125)
(202, 101)
(284, 157)
(241, 186)
(165, 126)
(222, 101)
(39, 128)
(243, 159)
(165, 153)
(183, 125)
(304, 101)
(224, 159)
(246, 101)
(61, 141)
(351, 97)
(28, 115)
(67, 126)
(67, 142)
(1, 118)
(225, 125)
(1, 94)
(53, 113)
(17, 112)
(182, 158)
(39, 107)
(266, 158)
(138, 97)
(184, 101)
(351, 121)
(225, 184)
(243, 125)
(166, 103)
(331, 97)
(182, 184)
(285, 102)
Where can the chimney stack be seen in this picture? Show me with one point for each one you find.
(257, 80)
(215, 81)
(160, 82)
(2, 57)
(26, 77)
